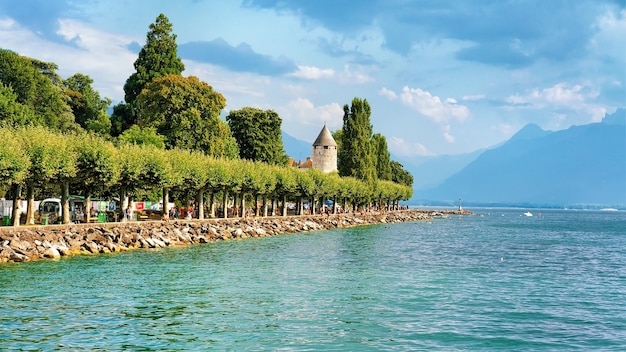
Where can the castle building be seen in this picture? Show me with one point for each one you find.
(325, 151)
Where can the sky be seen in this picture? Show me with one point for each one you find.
(441, 77)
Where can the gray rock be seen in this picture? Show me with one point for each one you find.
(52, 253)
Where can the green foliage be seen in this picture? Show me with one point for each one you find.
(14, 161)
(66, 157)
(88, 108)
(131, 163)
(123, 118)
(355, 158)
(381, 157)
(42, 149)
(186, 111)
(400, 175)
(34, 85)
(188, 170)
(338, 137)
(157, 58)
(13, 113)
(97, 164)
(285, 181)
(258, 134)
(146, 135)
(305, 184)
(90, 165)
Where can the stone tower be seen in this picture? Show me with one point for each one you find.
(325, 151)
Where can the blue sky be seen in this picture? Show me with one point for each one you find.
(442, 77)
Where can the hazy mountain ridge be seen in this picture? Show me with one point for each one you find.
(580, 165)
(429, 172)
(296, 148)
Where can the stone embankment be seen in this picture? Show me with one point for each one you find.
(20, 244)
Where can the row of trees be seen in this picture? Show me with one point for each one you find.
(43, 162)
(162, 112)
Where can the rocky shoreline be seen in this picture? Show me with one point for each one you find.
(22, 244)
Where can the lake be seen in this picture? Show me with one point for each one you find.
(497, 280)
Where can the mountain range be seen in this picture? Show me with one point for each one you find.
(580, 165)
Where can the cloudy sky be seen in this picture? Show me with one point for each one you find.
(442, 77)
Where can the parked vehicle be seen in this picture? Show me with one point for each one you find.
(50, 210)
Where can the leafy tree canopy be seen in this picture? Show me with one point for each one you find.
(186, 112)
(157, 58)
(34, 84)
(400, 175)
(146, 135)
(88, 108)
(258, 134)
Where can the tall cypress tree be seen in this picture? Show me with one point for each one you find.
(157, 58)
(356, 158)
(381, 157)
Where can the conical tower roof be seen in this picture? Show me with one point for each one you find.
(325, 138)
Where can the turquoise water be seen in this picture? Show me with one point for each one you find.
(499, 282)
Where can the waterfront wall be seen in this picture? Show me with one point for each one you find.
(20, 244)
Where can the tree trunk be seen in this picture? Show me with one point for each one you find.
(284, 205)
(200, 204)
(166, 201)
(65, 202)
(256, 204)
(212, 206)
(274, 205)
(265, 205)
(15, 213)
(30, 211)
(243, 205)
(123, 204)
(87, 209)
(225, 204)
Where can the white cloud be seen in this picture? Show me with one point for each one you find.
(561, 96)
(350, 76)
(400, 147)
(6, 23)
(473, 97)
(609, 38)
(446, 134)
(432, 107)
(101, 55)
(505, 129)
(313, 73)
(304, 120)
(391, 95)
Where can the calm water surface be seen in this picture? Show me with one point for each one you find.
(500, 281)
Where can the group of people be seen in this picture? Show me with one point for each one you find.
(175, 213)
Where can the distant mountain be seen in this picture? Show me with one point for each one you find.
(430, 172)
(581, 165)
(296, 148)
